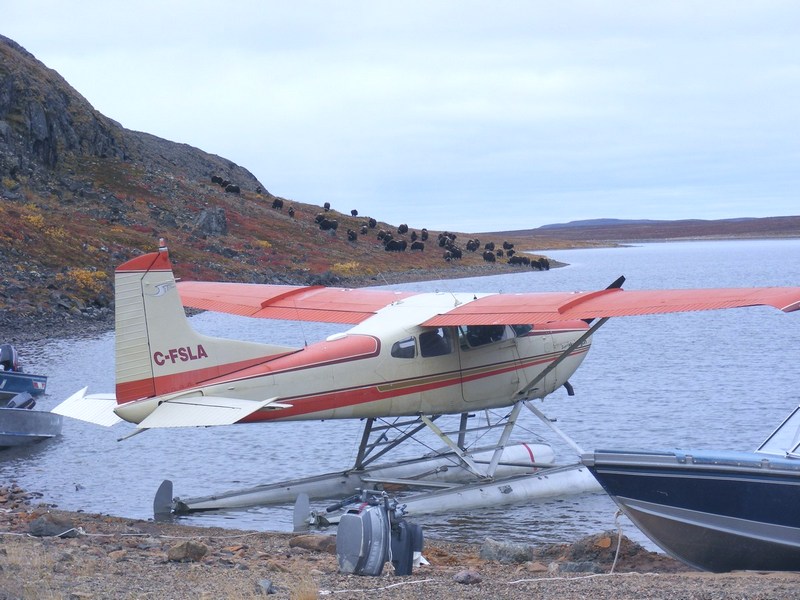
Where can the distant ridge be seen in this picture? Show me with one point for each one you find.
(621, 230)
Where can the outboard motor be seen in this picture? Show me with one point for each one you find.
(21, 400)
(9, 360)
(375, 533)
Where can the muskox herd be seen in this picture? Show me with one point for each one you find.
(226, 185)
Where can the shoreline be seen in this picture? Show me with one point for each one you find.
(93, 555)
(98, 556)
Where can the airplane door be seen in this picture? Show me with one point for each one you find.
(490, 363)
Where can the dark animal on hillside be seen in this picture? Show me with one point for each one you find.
(291, 211)
(327, 206)
(499, 253)
(382, 233)
(510, 252)
(354, 213)
(519, 260)
(277, 204)
(544, 263)
(413, 236)
(364, 230)
(216, 179)
(473, 245)
(507, 245)
(396, 246)
(319, 218)
(418, 246)
(423, 235)
(352, 235)
(232, 189)
(489, 256)
(489, 246)
(452, 253)
(329, 224)
(372, 223)
(225, 183)
(258, 190)
(402, 228)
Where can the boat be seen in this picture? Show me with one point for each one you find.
(13, 379)
(715, 510)
(20, 424)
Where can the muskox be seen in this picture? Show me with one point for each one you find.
(216, 179)
(417, 245)
(364, 230)
(473, 245)
(291, 211)
(354, 213)
(507, 246)
(277, 204)
(489, 256)
(352, 235)
(327, 206)
(489, 246)
(402, 228)
(423, 235)
(372, 223)
(329, 225)
(232, 188)
(396, 246)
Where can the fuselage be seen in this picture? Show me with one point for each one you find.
(389, 366)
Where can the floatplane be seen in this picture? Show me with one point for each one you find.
(408, 359)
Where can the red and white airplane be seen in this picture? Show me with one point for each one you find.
(417, 355)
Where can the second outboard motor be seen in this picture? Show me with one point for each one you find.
(21, 400)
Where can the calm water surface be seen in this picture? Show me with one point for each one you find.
(721, 379)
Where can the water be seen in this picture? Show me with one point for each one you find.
(720, 379)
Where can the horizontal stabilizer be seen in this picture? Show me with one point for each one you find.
(94, 408)
(205, 411)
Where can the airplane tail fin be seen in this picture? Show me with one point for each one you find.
(157, 350)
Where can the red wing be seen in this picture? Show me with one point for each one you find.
(533, 308)
(301, 303)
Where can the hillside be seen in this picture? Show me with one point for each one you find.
(79, 194)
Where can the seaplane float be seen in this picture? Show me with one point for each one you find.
(408, 361)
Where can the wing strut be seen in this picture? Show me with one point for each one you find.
(524, 391)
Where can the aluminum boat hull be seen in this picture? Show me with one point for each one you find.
(19, 426)
(714, 510)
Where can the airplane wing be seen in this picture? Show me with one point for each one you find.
(351, 306)
(548, 307)
(300, 303)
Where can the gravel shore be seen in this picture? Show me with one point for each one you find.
(47, 553)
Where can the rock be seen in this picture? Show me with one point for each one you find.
(49, 525)
(265, 587)
(505, 552)
(467, 577)
(189, 551)
(316, 543)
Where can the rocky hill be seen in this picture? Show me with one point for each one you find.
(80, 194)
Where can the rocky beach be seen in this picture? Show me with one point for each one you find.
(53, 554)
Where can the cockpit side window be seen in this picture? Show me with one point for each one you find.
(520, 330)
(435, 342)
(405, 348)
(479, 335)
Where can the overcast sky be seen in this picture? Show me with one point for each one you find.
(461, 115)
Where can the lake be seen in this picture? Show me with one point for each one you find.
(718, 379)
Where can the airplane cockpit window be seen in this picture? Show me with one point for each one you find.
(405, 348)
(435, 342)
(479, 335)
(520, 330)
